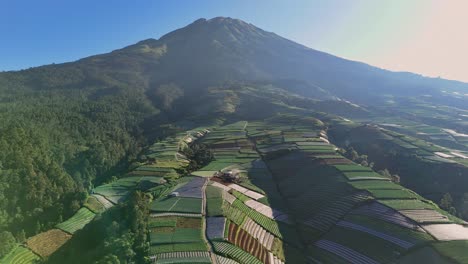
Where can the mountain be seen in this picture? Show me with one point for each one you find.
(66, 129)
(213, 52)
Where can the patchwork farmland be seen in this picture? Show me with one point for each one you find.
(155, 175)
(276, 192)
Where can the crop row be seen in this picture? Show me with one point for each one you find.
(244, 240)
(234, 252)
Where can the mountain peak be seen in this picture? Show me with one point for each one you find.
(220, 20)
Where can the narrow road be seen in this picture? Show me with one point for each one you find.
(210, 249)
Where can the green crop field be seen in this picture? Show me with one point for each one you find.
(203, 173)
(358, 174)
(177, 204)
(375, 184)
(94, 205)
(371, 246)
(393, 194)
(414, 236)
(455, 250)
(164, 235)
(214, 201)
(162, 222)
(20, 255)
(234, 252)
(77, 221)
(179, 247)
(407, 204)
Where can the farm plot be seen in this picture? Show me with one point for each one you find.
(95, 205)
(216, 166)
(425, 216)
(279, 229)
(375, 185)
(407, 204)
(447, 231)
(77, 221)
(149, 182)
(193, 189)
(185, 247)
(214, 201)
(256, 231)
(454, 250)
(163, 235)
(267, 149)
(415, 236)
(382, 212)
(20, 255)
(327, 217)
(357, 175)
(234, 252)
(224, 260)
(268, 211)
(177, 204)
(242, 239)
(171, 234)
(372, 247)
(166, 231)
(201, 173)
(215, 227)
(358, 172)
(390, 238)
(324, 254)
(46, 243)
(345, 253)
(183, 257)
(106, 203)
(427, 254)
(117, 191)
(393, 194)
(246, 192)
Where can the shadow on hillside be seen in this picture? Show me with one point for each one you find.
(292, 248)
(87, 244)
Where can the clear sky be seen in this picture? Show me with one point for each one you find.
(423, 36)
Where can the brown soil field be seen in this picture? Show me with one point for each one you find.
(46, 243)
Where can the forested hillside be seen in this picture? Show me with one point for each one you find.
(57, 141)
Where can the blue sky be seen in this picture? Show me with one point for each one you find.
(395, 34)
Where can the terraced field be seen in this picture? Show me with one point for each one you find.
(20, 255)
(78, 221)
(295, 200)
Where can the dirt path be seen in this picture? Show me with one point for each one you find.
(210, 249)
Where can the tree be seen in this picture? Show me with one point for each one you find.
(199, 155)
(463, 211)
(7, 243)
(446, 202)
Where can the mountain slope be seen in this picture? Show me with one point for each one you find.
(65, 128)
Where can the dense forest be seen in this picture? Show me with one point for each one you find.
(57, 143)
